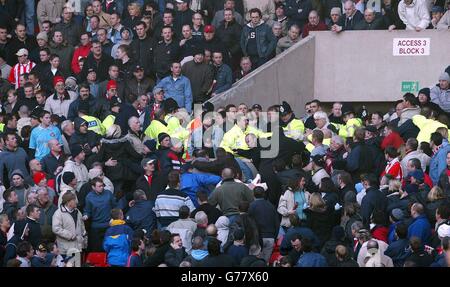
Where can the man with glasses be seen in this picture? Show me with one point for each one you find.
(350, 19)
(23, 66)
(257, 40)
(197, 26)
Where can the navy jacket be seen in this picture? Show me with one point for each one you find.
(311, 259)
(142, 216)
(286, 246)
(266, 218)
(98, 208)
(297, 12)
(398, 251)
(374, 199)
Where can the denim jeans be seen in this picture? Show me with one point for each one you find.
(30, 16)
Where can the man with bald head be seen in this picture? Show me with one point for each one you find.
(229, 194)
(420, 226)
(370, 22)
(350, 19)
(53, 162)
(314, 24)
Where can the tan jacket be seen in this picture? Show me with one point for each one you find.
(80, 171)
(104, 20)
(286, 204)
(50, 10)
(58, 107)
(63, 226)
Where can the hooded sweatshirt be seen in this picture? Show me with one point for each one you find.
(415, 14)
(22, 191)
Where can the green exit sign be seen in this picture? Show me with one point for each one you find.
(410, 87)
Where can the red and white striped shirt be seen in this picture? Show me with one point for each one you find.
(17, 70)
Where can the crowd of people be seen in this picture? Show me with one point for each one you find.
(111, 154)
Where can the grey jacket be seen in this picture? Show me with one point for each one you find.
(441, 97)
(266, 41)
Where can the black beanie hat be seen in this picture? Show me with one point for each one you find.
(162, 136)
(68, 176)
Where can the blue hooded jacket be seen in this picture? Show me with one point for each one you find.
(117, 243)
(191, 182)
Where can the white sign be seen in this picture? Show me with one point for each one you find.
(411, 47)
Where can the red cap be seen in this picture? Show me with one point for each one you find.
(58, 79)
(209, 29)
(111, 85)
(38, 176)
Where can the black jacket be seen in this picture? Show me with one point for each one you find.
(122, 151)
(164, 55)
(216, 166)
(158, 257)
(159, 183)
(266, 218)
(50, 163)
(126, 111)
(174, 257)
(217, 45)
(350, 23)
(374, 200)
(211, 211)
(329, 250)
(35, 235)
(15, 45)
(101, 67)
(297, 12)
(321, 223)
(97, 108)
(182, 18)
(230, 35)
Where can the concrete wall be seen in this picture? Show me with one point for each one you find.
(356, 66)
(360, 66)
(290, 78)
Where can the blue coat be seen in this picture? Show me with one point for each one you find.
(191, 182)
(117, 244)
(420, 227)
(98, 208)
(440, 261)
(142, 216)
(398, 251)
(438, 163)
(224, 79)
(311, 259)
(180, 90)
